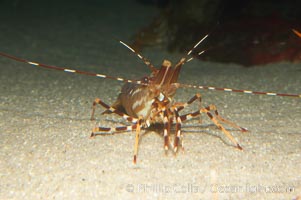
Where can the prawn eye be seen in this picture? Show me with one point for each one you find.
(145, 80)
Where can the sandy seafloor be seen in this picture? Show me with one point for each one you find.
(45, 149)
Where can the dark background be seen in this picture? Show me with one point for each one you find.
(249, 32)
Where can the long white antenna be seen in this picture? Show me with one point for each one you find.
(146, 61)
(194, 47)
